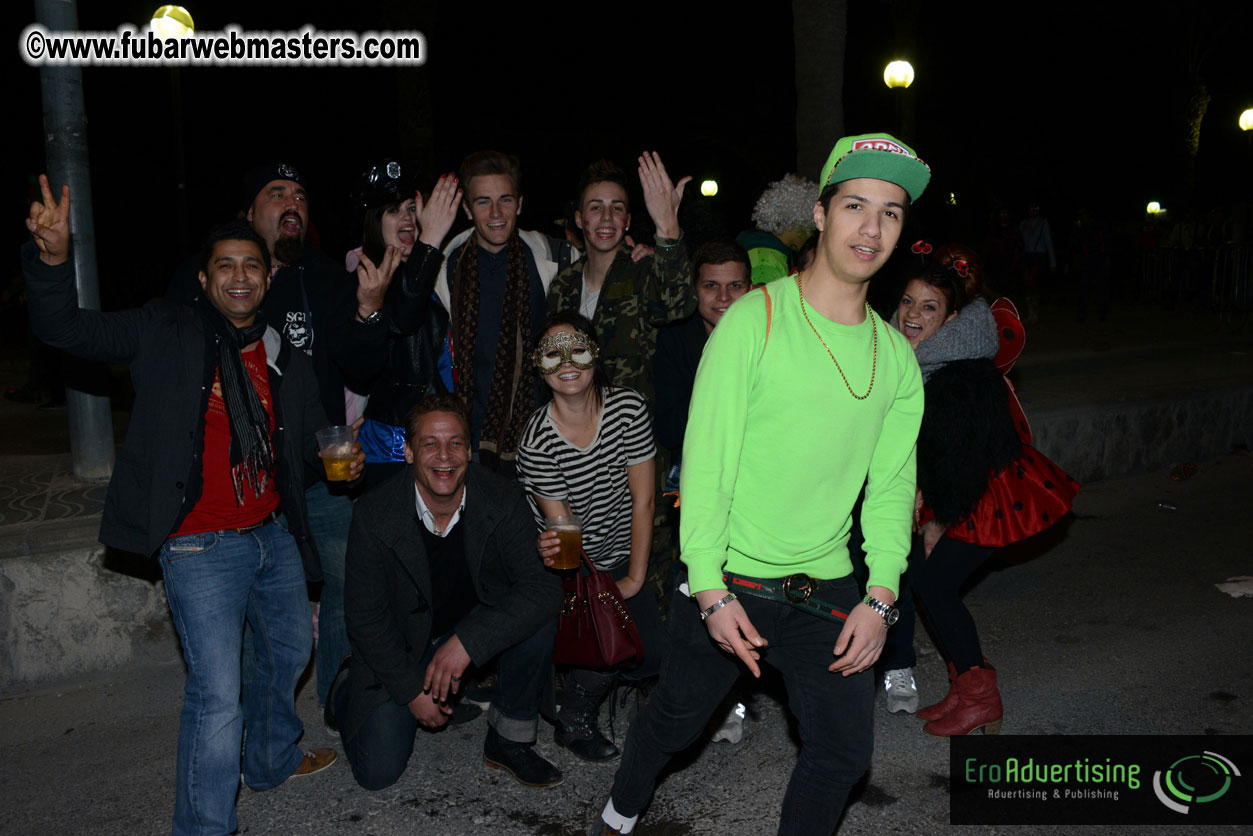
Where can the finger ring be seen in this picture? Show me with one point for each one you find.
(456, 679)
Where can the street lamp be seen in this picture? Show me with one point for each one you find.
(898, 74)
(172, 22)
(709, 188)
(1153, 208)
(1246, 120)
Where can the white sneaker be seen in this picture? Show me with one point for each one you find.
(902, 692)
(732, 728)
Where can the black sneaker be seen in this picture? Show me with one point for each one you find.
(464, 712)
(521, 761)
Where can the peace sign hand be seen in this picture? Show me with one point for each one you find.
(49, 224)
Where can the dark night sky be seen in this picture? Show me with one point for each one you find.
(1074, 102)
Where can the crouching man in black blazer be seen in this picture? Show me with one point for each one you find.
(442, 573)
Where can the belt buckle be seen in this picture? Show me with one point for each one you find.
(797, 588)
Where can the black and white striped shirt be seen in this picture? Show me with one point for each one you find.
(592, 479)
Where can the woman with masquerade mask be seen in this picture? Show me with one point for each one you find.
(981, 485)
(401, 235)
(590, 451)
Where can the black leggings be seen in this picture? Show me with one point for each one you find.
(936, 582)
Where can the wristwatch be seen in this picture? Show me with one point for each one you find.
(372, 319)
(890, 614)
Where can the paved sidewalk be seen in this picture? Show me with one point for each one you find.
(1110, 625)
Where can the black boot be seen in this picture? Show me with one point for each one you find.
(577, 728)
(520, 760)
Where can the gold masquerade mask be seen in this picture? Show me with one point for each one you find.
(575, 348)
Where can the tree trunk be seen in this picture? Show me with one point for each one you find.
(819, 28)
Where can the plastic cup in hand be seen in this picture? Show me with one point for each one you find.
(337, 447)
(570, 533)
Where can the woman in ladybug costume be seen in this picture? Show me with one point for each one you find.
(981, 484)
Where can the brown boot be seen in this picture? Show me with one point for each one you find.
(978, 706)
(944, 706)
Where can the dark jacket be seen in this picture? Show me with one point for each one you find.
(313, 305)
(387, 588)
(679, 348)
(159, 472)
(418, 325)
(967, 435)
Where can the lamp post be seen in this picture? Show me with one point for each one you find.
(898, 75)
(174, 22)
(65, 147)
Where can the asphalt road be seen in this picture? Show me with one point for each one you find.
(1109, 624)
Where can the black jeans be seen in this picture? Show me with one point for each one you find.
(833, 712)
(937, 582)
(380, 750)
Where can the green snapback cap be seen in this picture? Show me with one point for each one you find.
(879, 156)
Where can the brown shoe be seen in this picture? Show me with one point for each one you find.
(316, 761)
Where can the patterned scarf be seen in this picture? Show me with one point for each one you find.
(252, 453)
(510, 397)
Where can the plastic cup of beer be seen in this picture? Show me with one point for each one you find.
(337, 447)
(570, 533)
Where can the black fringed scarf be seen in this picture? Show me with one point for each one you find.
(252, 453)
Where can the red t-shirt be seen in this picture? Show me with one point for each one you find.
(217, 508)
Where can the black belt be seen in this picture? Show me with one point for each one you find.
(796, 590)
(269, 518)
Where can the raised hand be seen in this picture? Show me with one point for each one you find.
(49, 223)
(638, 251)
(661, 196)
(436, 216)
(372, 281)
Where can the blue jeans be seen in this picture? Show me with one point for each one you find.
(330, 515)
(833, 712)
(215, 582)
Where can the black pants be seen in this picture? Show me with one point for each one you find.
(833, 712)
(379, 751)
(937, 582)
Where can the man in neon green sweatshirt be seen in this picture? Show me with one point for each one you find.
(803, 395)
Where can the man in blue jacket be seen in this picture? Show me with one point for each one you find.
(225, 412)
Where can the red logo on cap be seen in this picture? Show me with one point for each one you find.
(880, 145)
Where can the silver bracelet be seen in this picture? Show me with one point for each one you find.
(717, 605)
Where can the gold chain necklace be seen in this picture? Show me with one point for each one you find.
(874, 362)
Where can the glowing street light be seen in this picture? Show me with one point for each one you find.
(1153, 208)
(172, 22)
(898, 74)
(1246, 120)
(709, 188)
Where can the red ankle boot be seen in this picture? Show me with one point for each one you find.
(978, 706)
(944, 706)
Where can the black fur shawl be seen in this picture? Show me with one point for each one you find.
(967, 436)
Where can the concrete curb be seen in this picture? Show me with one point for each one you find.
(65, 613)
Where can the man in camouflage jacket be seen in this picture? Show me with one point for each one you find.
(627, 300)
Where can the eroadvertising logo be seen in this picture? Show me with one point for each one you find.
(1210, 775)
(1100, 779)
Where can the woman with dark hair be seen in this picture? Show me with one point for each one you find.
(590, 452)
(980, 484)
(400, 230)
